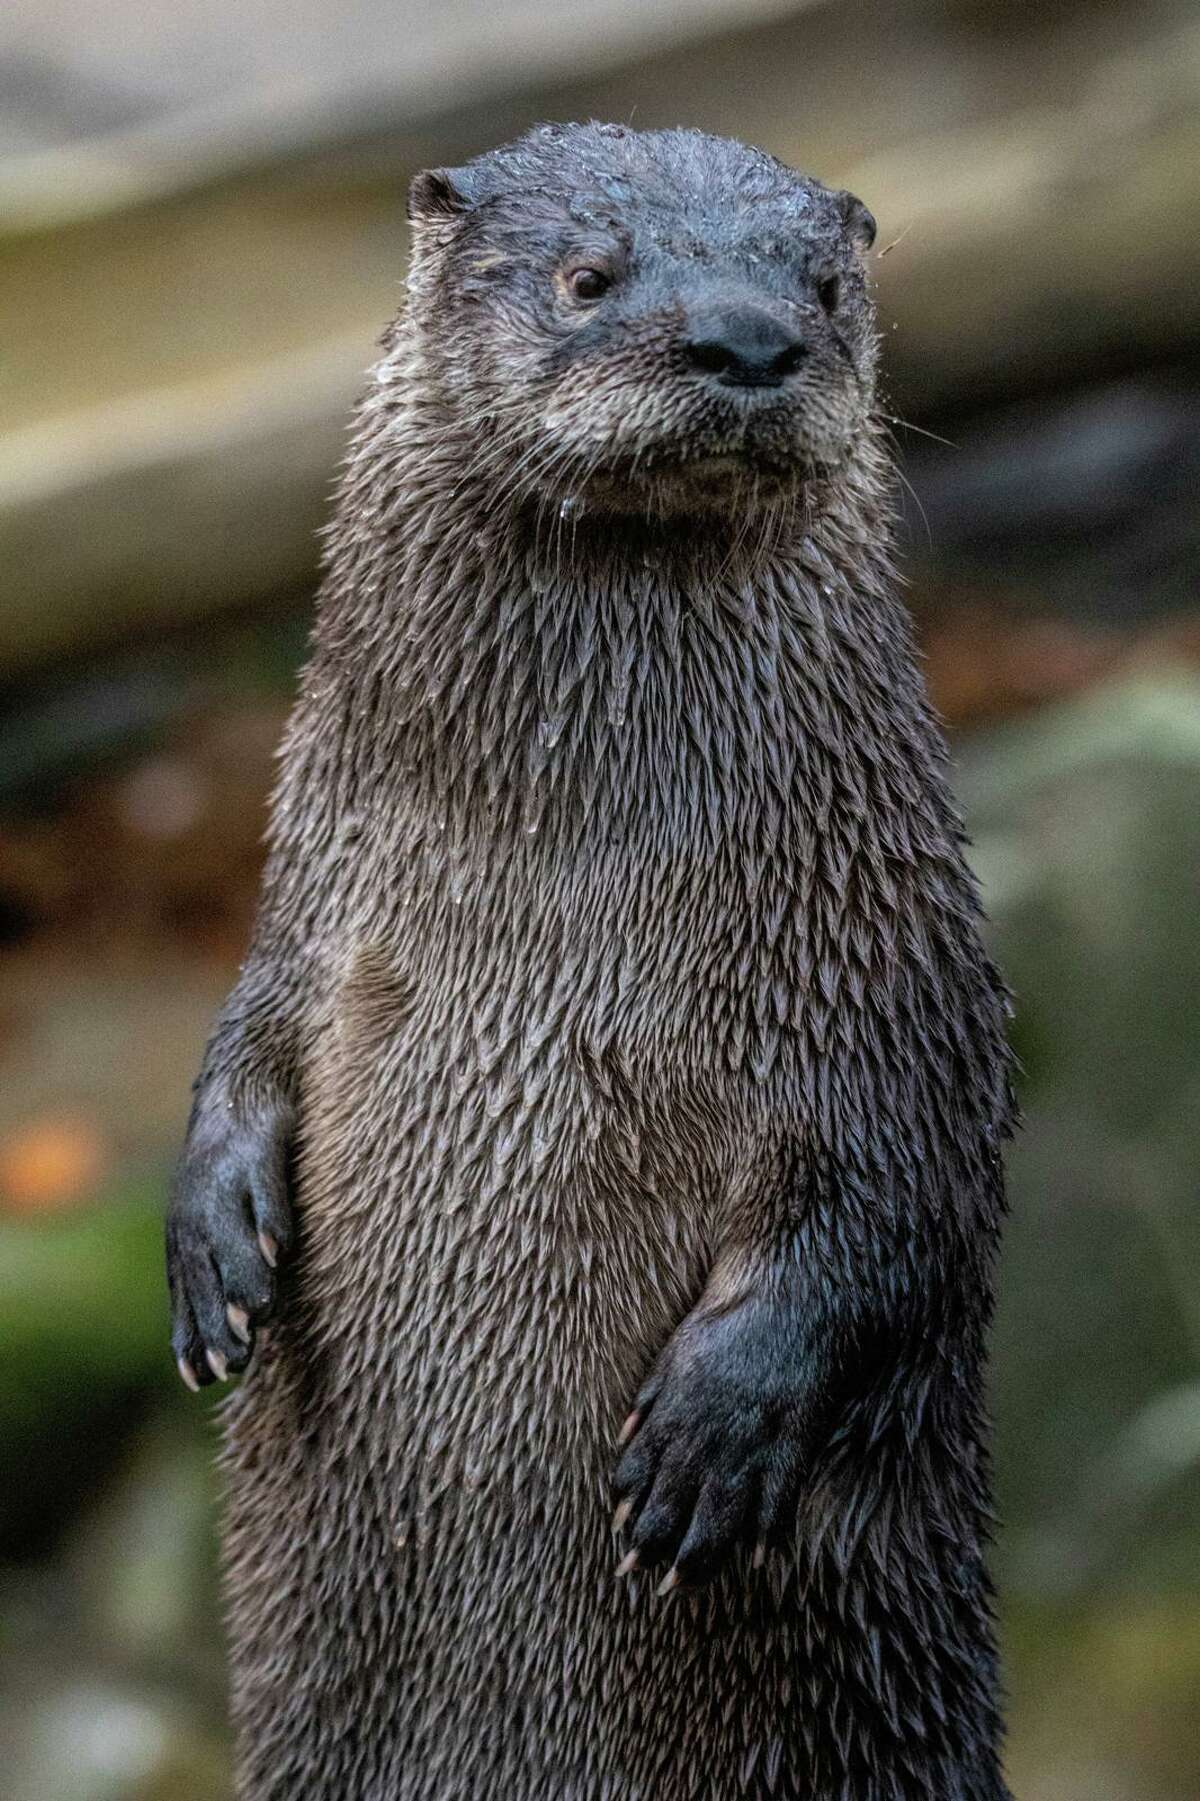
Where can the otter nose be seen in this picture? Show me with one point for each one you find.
(743, 346)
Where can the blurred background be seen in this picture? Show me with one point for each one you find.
(201, 235)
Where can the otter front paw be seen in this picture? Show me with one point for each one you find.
(717, 1443)
(229, 1222)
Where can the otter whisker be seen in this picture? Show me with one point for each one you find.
(900, 475)
(935, 437)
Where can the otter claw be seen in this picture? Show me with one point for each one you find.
(628, 1564)
(698, 1495)
(217, 1364)
(620, 1516)
(187, 1373)
(239, 1322)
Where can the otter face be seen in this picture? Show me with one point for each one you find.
(652, 322)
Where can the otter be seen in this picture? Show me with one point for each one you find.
(608, 1115)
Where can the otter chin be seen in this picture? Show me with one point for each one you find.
(608, 1113)
(729, 484)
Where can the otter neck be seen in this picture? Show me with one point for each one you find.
(553, 671)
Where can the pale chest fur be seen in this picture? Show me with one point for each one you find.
(600, 896)
(636, 830)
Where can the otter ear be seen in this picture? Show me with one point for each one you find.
(860, 224)
(439, 194)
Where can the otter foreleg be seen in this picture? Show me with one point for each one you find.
(229, 1223)
(230, 1218)
(837, 1353)
(724, 1428)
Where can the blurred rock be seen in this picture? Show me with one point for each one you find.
(140, 1562)
(88, 1738)
(1087, 830)
(1081, 503)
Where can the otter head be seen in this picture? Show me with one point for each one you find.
(648, 322)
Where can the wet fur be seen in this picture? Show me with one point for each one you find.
(618, 994)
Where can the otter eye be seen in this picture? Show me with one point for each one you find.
(588, 283)
(829, 292)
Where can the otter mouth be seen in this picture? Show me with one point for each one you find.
(709, 479)
(663, 444)
(737, 466)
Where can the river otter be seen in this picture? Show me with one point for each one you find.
(618, 1022)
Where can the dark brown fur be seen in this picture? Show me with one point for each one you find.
(619, 996)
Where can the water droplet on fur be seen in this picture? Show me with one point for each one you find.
(549, 732)
(570, 507)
